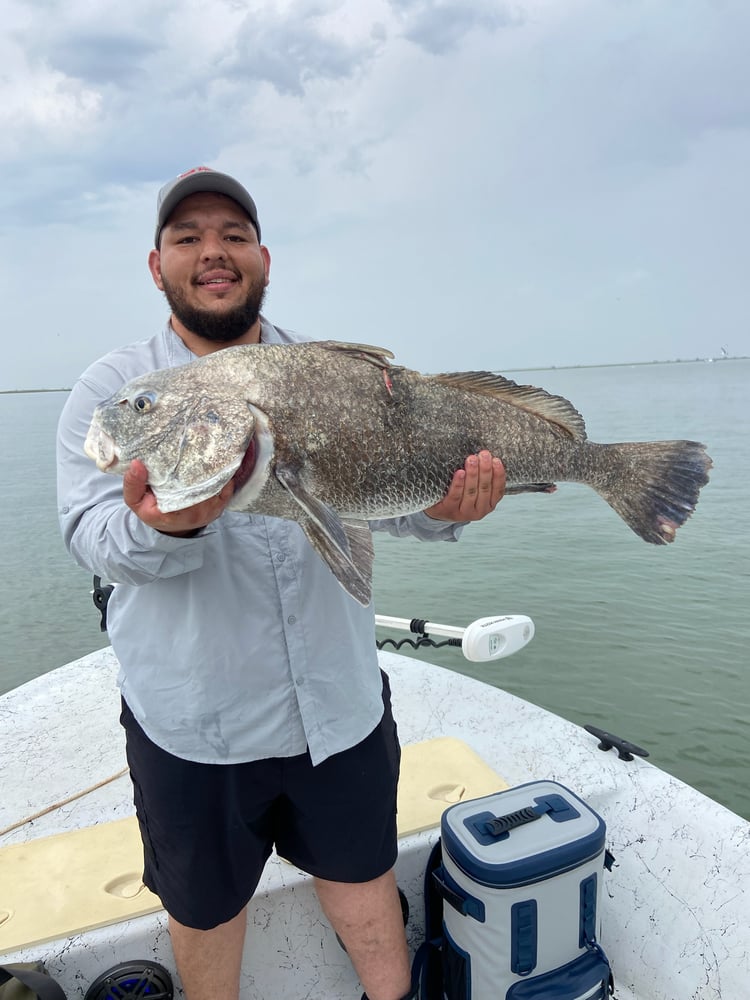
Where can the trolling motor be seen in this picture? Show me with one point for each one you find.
(485, 639)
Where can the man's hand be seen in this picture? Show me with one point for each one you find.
(474, 491)
(138, 496)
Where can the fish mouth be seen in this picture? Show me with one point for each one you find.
(101, 448)
(246, 466)
(255, 469)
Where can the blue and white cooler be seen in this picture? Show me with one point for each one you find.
(521, 878)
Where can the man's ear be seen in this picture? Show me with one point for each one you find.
(154, 266)
(266, 262)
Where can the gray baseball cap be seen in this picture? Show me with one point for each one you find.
(194, 181)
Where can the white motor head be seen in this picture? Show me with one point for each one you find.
(495, 637)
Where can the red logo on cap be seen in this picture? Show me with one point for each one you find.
(195, 170)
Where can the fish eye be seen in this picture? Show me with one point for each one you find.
(144, 401)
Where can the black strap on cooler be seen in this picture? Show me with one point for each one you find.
(30, 975)
(456, 896)
(461, 902)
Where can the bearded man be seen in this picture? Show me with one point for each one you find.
(255, 712)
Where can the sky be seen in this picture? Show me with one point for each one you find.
(472, 184)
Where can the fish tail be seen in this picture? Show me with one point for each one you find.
(654, 486)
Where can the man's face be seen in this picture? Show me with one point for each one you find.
(211, 268)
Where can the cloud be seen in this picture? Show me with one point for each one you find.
(292, 53)
(118, 104)
(439, 26)
(103, 57)
(45, 104)
(477, 183)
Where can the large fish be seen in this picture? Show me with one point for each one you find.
(331, 434)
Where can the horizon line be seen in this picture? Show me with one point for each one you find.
(535, 368)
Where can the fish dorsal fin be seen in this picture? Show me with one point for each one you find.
(555, 409)
(379, 356)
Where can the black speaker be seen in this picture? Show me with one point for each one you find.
(132, 981)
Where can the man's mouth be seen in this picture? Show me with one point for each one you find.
(217, 279)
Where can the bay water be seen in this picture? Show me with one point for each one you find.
(649, 642)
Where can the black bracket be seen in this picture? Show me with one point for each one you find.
(100, 595)
(625, 749)
(417, 626)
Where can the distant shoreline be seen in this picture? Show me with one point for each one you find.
(17, 392)
(631, 364)
(538, 368)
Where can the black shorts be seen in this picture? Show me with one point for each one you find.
(208, 829)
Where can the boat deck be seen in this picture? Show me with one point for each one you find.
(675, 908)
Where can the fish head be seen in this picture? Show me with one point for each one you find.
(189, 428)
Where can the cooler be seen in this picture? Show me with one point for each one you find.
(521, 878)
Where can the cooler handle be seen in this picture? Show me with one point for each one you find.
(503, 824)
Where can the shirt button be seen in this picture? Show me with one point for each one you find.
(280, 557)
(291, 619)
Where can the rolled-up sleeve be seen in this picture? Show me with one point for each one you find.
(421, 526)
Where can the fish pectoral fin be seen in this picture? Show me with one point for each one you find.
(355, 581)
(362, 551)
(319, 513)
(344, 546)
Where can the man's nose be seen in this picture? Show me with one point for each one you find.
(213, 246)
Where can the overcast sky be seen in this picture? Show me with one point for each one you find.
(470, 183)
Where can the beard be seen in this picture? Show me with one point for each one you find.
(219, 328)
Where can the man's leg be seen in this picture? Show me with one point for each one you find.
(206, 837)
(367, 917)
(208, 962)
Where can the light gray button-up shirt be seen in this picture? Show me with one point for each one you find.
(237, 644)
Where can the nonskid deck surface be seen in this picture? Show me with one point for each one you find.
(675, 908)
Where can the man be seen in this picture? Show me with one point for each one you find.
(250, 683)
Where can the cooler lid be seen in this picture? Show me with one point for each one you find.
(527, 833)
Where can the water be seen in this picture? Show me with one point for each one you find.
(649, 642)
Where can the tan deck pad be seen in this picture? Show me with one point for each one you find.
(437, 774)
(57, 886)
(54, 887)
